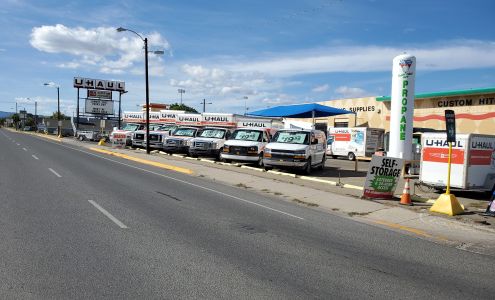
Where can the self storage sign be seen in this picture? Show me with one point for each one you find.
(383, 175)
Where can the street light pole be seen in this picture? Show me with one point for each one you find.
(145, 40)
(59, 125)
(181, 91)
(245, 104)
(204, 104)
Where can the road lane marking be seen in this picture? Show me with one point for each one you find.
(34, 156)
(18, 144)
(409, 229)
(53, 171)
(181, 181)
(24, 149)
(109, 215)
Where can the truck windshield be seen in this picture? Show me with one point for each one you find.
(213, 133)
(291, 137)
(131, 127)
(184, 132)
(247, 135)
(166, 127)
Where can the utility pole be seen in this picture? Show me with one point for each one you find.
(204, 104)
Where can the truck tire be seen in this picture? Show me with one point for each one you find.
(351, 156)
(322, 164)
(259, 163)
(307, 168)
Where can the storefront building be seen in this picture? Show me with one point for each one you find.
(474, 109)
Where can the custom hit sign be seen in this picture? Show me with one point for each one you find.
(383, 175)
(402, 106)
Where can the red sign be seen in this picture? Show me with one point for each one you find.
(342, 137)
(441, 155)
(480, 157)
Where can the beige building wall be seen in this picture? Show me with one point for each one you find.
(474, 113)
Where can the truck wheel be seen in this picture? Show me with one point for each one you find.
(260, 160)
(307, 168)
(322, 164)
(219, 156)
(228, 161)
(351, 156)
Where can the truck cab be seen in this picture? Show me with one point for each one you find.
(126, 132)
(246, 145)
(180, 139)
(138, 139)
(294, 148)
(210, 142)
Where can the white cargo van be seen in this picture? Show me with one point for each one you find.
(472, 163)
(217, 129)
(300, 149)
(247, 145)
(356, 141)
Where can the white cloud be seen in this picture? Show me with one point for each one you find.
(450, 55)
(350, 92)
(320, 88)
(101, 48)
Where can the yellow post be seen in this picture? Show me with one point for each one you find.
(447, 203)
(448, 169)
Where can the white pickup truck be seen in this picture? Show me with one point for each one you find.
(209, 142)
(179, 140)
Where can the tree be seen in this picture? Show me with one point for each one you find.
(177, 106)
(62, 116)
(16, 118)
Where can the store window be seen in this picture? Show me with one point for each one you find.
(341, 124)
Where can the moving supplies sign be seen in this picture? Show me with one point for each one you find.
(383, 175)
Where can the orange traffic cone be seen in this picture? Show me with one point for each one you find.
(405, 199)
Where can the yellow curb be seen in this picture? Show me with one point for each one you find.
(409, 229)
(144, 161)
(318, 180)
(350, 186)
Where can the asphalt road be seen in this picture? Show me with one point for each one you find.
(77, 224)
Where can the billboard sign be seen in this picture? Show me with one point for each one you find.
(98, 84)
(100, 94)
(99, 107)
(383, 175)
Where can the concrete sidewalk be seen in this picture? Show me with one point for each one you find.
(466, 232)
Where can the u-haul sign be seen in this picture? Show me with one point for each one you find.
(98, 84)
(189, 119)
(134, 117)
(169, 116)
(218, 119)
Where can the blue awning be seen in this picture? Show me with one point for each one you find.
(309, 110)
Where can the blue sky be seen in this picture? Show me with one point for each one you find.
(272, 52)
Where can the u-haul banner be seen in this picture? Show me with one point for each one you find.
(134, 117)
(189, 119)
(217, 119)
(154, 117)
(254, 123)
(169, 116)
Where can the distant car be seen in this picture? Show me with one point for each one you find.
(27, 128)
(41, 128)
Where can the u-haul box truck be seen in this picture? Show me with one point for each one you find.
(217, 129)
(356, 141)
(133, 121)
(180, 139)
(472, 163)
(139, 136)
(163, 128)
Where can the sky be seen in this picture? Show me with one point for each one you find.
(239, 55)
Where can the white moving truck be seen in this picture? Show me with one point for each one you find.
(133, 121)
(248, 141)
(210, 142)
(179, 140)
(161, 129)
(139, 136)
(472, 163)
(355, 141)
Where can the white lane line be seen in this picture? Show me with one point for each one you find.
(18, 144)
(53, 171)
(34, 156)
(109, 215)
(24, 149)
(181, 181)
